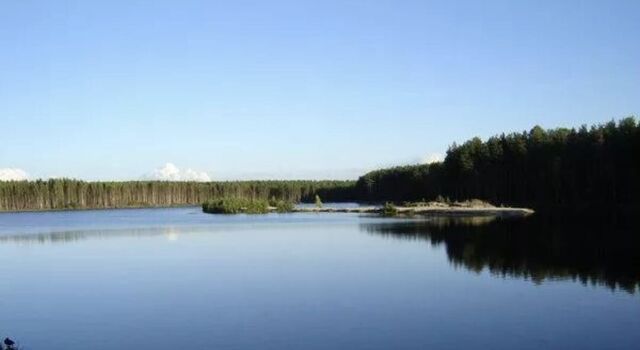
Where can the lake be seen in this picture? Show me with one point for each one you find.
(178, 278)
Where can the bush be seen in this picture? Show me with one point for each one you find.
(235, 206)
(389, 209)
(284, 206)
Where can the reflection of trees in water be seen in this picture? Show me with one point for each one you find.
(599, 252)
(172, 233)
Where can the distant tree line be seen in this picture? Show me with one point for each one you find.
(76, 194)
(580, 167)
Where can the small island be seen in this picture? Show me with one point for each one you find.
(234, 205)
(426, 210)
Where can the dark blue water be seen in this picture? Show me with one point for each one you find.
(178, 278)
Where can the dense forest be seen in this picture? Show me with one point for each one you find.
(560, 167)
(75, 194)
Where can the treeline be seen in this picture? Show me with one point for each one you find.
(76, 194)
(580, 167)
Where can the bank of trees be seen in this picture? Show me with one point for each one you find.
(75, 194)
(580, 167)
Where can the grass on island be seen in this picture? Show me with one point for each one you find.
(444, 202)
(410, 208)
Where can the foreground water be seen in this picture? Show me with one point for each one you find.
(177, 278)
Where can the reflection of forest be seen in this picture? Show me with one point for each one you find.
(595, 251)
(71, 236)
(602, 252)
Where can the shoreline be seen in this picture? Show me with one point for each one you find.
(47, 210)
(401, 210)
(428, 210)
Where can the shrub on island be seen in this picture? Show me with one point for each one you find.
(283, 206)
(389, 209)
(235, 206)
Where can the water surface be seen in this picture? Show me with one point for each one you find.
(178, 278)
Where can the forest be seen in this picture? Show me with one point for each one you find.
(578, 168)
(75, 194)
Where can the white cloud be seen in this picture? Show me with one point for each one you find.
(432, 158)
(9, 174)
(170, 172)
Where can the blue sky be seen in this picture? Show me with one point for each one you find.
(297, 89)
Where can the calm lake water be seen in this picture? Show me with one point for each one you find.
(181, 279)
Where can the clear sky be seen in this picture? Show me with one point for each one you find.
(297, 89)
